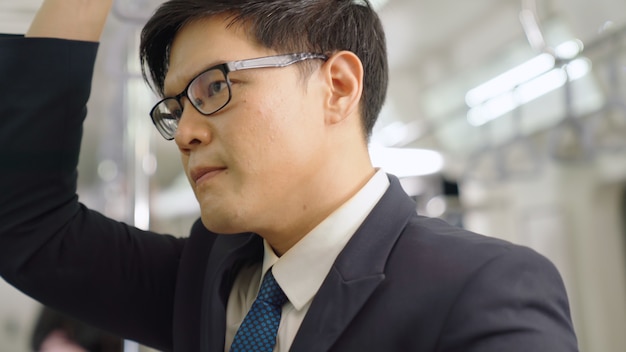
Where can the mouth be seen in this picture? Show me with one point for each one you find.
(199, 175)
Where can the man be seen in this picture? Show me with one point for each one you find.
(270, 104)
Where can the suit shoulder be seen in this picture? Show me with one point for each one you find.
(433, 241)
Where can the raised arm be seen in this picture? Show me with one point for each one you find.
(70, 19)
(53, 248)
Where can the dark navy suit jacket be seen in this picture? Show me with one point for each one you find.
(402, 283)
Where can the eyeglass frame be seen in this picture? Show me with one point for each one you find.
(274, 61)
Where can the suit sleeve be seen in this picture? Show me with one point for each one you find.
(515, 302)
(51, 247)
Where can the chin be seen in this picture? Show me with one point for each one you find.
(216, 224)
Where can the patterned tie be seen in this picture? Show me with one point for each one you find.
(258, 329)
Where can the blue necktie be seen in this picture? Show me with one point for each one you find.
(258, 329)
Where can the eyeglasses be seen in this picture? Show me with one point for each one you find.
(211, 90)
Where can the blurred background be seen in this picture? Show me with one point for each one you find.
(506, 117)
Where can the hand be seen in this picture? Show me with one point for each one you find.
(71, 19)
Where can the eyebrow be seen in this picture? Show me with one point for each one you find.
(187, 79)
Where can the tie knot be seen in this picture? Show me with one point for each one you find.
(270, 292)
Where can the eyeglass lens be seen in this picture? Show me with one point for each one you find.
(208, 93)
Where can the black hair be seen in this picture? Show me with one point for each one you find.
(285, 26)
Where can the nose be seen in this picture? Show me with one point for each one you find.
(194, 129)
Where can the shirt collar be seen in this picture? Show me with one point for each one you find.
(301, 270)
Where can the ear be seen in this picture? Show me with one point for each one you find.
(344, 77)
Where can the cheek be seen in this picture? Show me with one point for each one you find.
(280, 131)
(262, 125)
(275, 133)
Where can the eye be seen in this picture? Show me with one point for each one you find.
(177, 113)
(215, 88)
(209, 91)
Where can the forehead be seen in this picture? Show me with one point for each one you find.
(204, 43)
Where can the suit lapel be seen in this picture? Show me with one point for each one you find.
(357, 272)
(227, 256)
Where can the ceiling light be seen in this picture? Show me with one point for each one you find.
(527, 92)
(510, 79)
(525, 72)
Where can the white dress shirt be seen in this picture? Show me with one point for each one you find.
(302, 269)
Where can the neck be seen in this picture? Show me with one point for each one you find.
(335, 185)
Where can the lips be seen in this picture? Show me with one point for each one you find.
(201, 174)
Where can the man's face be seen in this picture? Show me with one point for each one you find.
(251, 165)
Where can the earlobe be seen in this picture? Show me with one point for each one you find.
(344, 75)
